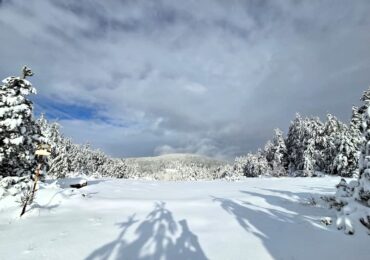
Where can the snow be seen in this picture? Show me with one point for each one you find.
(259, 218)
(11, 123)
(17, 140)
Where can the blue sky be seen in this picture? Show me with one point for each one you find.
(138, 78)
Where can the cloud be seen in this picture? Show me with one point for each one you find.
(212, 77)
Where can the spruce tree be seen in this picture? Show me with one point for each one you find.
(302, 145)
(252, 165)
(276, 154)
(362, 192)
(19, 134)
(294, 143)
(330, 133)
(347, 144)
(269, 151)
(356, 119)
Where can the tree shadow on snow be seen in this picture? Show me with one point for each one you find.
(301, 195)
(288, 228)
(159, 236)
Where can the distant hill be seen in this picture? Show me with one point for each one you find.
(175, 166)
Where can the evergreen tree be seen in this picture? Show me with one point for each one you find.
(19, 134)
(295, 143)
(356, 119)
(332, 134)
(269, 151)
(302, 145)
(276, 154)
(307, 166)
(60, 162)
(61, 152)
(347, 144)
(362, 192)
(252, 165)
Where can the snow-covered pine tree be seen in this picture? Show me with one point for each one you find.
(120, 169)
(327, 140)
(261, 165)
(276, 154)
(82, 155)
(336, 147)
(239, 163)
(347, 144)
(51, 132)
(365, 105)
(359, 190)
(19, 134)
(269, 151)
(279, 162)
(315, 146)
(302, 145)
(356, 119)
(294, 143)
(252, 165)
(60, 163)
(307, 166)
(362, 191)
(246, 165)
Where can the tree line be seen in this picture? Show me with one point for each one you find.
(310, 148)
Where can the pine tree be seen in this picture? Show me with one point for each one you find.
(252, 165)
(308, 163)
(303, 145)
(276, 154)
(61, 152)
(365, 105)
(330, 132)
(280, 160)
(19, 134)
(356, 119)
(334, 149)
(269, 151)
(347, 144)
(294, 143)
(60, 162)
(362, 192)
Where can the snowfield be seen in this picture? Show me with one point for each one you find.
(259, 218)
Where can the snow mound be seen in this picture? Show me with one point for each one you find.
(14, 186)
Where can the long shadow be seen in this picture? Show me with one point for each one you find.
(297, 202)
(107, 250)
(287, 228)
(155, 239)
(300, 195)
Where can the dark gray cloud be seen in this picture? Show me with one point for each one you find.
(213, 77)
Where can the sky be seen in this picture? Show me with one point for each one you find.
(212, 77)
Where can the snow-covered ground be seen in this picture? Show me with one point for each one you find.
(260, 218)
